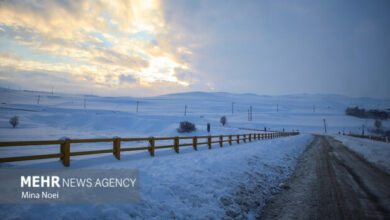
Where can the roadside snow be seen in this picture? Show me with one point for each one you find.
(233, 182)
(373, 151)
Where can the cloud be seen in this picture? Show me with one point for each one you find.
(185, 75)
(127, 79)
(95, 40)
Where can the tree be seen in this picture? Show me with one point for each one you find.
(14, 121)
(186, 126)
(378, 124)
(223, 120)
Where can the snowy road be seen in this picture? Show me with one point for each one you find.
(332, 182)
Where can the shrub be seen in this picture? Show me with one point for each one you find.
(14, 121)
(223, 120)
(186, 126)
(378, 124)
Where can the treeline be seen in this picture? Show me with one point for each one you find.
(363, 113)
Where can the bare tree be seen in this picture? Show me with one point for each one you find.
(14, 121)
(223, 120)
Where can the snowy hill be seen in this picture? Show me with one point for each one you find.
(233, 181)
(60, 115)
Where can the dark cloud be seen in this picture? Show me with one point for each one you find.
(284, 47)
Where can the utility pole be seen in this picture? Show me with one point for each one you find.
(136, 110)
(185, 110)
(39, 97)
(232, 107)
(250, 113)
(325, 125)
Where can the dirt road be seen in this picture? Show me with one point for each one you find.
(332, 182)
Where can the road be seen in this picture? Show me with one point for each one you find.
(332, 182)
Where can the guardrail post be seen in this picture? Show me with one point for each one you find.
(152, 144)
(176, 144)
(65, 152)
(117, 148)
(250, 137)
(230, 139)
(195, 143)
(238, 139)
(244, 138)
(220, 140)
(209, 141)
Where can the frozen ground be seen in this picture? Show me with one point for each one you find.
(224, 182)
(233, 181)
(373, 151)
(61, 115)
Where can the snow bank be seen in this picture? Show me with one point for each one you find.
(233, 181)
(373, 151)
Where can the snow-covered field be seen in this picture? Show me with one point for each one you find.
(233, 181)
(375, 152)
(60, 115)
(63, 115)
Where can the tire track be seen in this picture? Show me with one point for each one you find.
(332, 182)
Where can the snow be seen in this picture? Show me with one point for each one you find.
(232, 181)
(60, 115)
(375, 152)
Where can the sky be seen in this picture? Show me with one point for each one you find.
(154, 47)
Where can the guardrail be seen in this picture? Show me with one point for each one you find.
(65, 153)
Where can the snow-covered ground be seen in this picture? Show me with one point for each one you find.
(63, 115)
(233, 181)
(375, 152)
(60, 115)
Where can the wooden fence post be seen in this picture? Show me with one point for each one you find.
(176, 144)
(152, 144)
(244, 138)
(117, 148)
(220, 140)
(250, 137)
(65, 152)
(195, 143)
(238, 139)
(230, 139)
(209, 141)
(254, 136)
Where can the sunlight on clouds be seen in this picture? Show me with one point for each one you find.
(100, 41)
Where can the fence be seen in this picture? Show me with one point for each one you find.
(375, 138)
(65, 153)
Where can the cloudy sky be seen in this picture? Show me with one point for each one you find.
(152, 47)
